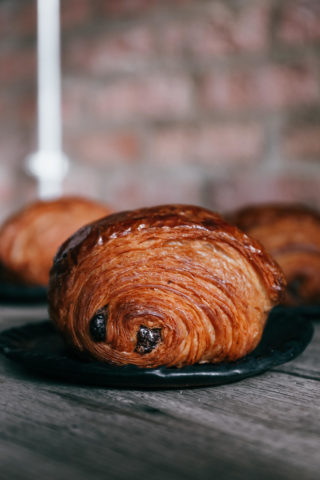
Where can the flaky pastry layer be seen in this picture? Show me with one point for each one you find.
(170, 285)
(30, 238)
(291, 234)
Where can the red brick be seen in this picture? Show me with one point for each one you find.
(122, 8)
(6, 106)
(268, 86)
(303, 142)
(14, 189)
(26, 109)
(222, 30)
(18, 19)
(16, 144)
(104, 147)
(109, 53)
(18, 109)
(74, 101)
(299, 22)
(76, 12)
(170, 145)
(18, 65)
(152, 97)
(83, 179)
(132, 64)
(7, 186)
(5, 19)
(218, 144)
(127, 188)
(230, 142)
(250, 188)
(24, 21)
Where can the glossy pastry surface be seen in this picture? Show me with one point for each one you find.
(291, 233)
(30, 238)
(169, 285)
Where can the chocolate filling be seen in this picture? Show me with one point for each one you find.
(98, 325)
(147, 339)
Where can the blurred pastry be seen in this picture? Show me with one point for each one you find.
(30, 238)
(170, 285)
(291, 234)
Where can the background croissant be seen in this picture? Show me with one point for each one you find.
(168, 285)
(30, 238)
(291, 233)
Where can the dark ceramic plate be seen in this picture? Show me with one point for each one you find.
(22, 294)
(310, 312)
(39, 348)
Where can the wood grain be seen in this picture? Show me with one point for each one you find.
(263, 427)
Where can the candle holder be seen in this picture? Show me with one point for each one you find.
(48, 164)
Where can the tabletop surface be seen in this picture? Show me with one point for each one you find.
(264, 427)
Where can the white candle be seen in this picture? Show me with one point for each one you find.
(49, 164)
(49, 95)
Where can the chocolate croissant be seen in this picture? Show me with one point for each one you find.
(170, 285)
(30, 238)
(291, 234)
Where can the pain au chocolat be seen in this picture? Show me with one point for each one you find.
(171, 285)
(30, 238)
(291, 234)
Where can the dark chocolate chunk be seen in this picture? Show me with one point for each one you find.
(147, 339)
(98, 325)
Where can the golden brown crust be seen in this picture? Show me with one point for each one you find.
(30, 238)
(291, 233)
(168, 285)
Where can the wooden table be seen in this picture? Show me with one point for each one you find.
(266, 427)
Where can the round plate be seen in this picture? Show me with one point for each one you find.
(39, 348)
(22, 294)
(310, 312)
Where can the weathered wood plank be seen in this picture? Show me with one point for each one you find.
(249, 429)
(263, 427)
(12, 315)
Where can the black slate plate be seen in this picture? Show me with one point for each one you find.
(39, 348)
(22, 294)
(309, 312)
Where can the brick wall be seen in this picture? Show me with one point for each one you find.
(202, 101)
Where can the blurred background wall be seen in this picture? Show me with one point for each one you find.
(195, 101)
